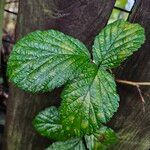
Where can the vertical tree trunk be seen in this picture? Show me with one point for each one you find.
(1, 21)
(1, 33)
(132, 124)
(82, 19)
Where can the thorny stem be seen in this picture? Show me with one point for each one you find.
(137, 85)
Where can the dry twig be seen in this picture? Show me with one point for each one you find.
(137, 85)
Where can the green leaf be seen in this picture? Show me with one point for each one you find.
(48, 124)
(44, 60)
(116, 42)
(88, 101)
(101, 139)
(73, 144)
(106, 136)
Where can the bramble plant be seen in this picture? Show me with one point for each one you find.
(44, 60)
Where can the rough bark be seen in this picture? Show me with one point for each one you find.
(1, 33)
(132, 124)
(82, 19)
(1, 21)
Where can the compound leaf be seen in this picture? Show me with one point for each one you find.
(43, 60)
(88, 101)
(73, 144)
(116, 42)
(48, 124)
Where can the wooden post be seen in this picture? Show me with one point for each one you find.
(82, 19)
(132, 124)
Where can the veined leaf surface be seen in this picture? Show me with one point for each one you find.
(116, 42)
(48, 124)
(100, 140)
(44, 60)
(88, 101)
(73, 144)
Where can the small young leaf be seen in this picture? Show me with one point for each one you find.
(47, 123)
(43, 60)
(106, 136)
(88, 101)
(101, 139)
(116, 42)
(73, 144)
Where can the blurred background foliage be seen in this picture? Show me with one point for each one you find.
(121, 10)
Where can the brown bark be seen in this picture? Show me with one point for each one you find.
(82, 19)
(1, 21)
(132, 124)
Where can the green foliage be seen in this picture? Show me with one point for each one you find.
(88, 101)
(72, 144)
(48, 124)
(121, 3)
(44, 60)
(101, 139)
(118, 14)
(116, 42)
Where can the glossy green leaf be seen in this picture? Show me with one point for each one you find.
(88, 101)
(48, 124)
(73, 144)
(116, 42)
(43, 60)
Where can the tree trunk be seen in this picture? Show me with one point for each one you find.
(1, 21)
(132, 124)
(82, 19)
(1, 34)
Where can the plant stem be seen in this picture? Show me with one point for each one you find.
(137, 85)
(133, 83)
